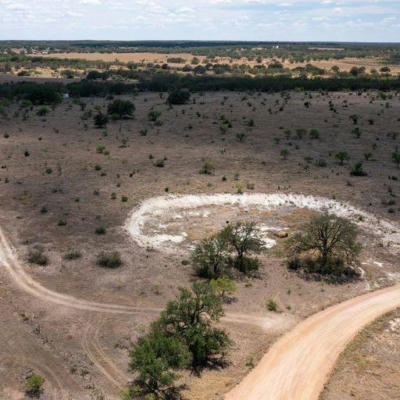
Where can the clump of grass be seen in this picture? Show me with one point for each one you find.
(250, 361)
(109, 260)
(36, 256)
(34, 385)
(272, 305)
(207, 168)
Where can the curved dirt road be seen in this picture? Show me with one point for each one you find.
(295, 368)
(298, 365)
(117, 378)
(9, 259)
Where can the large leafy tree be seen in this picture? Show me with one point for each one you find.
(156, 357)
(183, 337)
(190, 317)
(331, 240)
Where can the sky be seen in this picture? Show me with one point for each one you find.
(269, 20)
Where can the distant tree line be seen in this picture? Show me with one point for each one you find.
(51, 93)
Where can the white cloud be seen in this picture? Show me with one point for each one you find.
(202, 19)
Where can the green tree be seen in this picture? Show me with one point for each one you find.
(342, 156)
(209, 256)
(331, 240)
(155, 358)
(190, 317)
(183, 337)
(244, 238)
(223, 286)
(358, 170)
(121, 108)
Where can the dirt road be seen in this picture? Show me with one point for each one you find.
(116, 378)
(298, 365)
(8, 258)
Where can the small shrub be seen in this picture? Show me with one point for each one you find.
(153, 115)
(178, 97)
(367, 156)
(241, 136)
(314, 134)
(223, 287)
(284, 154)
(37, 257)
(396, 159)
(42, 111)
(272, 305)
(109, 260)
(100, 120)
(250, 362)
(34, 385)
(100, 230)
(160, 163)
(207, 168)
(358, 170)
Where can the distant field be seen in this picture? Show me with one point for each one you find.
(125, 57)
(345, 64)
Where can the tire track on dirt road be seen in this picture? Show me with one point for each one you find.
(8, 258)
(102, 362)
(42, 362)
(298, 365)
(91, 344)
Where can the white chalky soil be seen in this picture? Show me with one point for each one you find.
(174, 223)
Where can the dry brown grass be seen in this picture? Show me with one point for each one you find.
(368, 369)
(80, 195)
